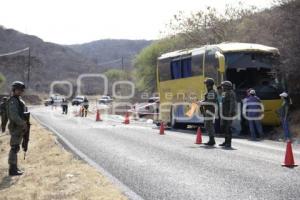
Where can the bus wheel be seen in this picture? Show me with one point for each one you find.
(173, 122)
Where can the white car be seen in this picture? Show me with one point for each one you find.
(105, 100)
(78, 100)
(54, 100)
(149, 108)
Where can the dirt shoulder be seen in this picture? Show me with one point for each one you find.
(51, 173)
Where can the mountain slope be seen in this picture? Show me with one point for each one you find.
(108, 53)
(49, 61)
(52, 62)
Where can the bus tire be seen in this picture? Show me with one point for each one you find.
(174, 124)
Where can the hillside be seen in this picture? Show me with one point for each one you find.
(50, 62)
(109, 53)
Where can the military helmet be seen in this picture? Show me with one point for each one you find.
(227, 84)
(209, 81)
(18, 85)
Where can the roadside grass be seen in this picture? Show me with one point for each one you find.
(51, 173)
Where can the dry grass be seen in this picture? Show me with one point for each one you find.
(52, 173)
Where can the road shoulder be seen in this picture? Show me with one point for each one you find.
(52, 173)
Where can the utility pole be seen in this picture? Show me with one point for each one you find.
(28, 67)
(122, 63)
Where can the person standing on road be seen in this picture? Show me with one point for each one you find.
(85, 107)
(228, 112)
(3, 112)
(252, 106)
(17, 125)
(64, 106)
(284, 114)
(209, 109)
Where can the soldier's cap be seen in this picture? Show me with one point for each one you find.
(18, 85)
(284, 94)
(226, 83)
(209, 81)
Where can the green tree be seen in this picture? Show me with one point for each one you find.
(146, 60)
(2, 81)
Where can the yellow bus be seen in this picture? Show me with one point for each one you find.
(180, 77)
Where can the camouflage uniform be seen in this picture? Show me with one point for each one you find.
(228, 110)
(17, 125)
(210, 97)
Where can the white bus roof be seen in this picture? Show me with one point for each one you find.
(225, 47)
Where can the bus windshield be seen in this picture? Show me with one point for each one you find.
(252, 70)
(249, 60)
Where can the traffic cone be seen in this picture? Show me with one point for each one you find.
(199, 136)
(289, 157)
(98, 117)
(126, 121)
(162, 128)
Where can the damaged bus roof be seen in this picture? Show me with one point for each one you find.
(225, 47)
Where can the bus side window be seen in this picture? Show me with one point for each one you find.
(197, 66)
(164, 72)
(186, 67)
(181, 68)
(176, 69)
(211, 65)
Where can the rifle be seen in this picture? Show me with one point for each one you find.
(26, 134)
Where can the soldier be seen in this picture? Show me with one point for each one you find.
(228, 111)
(209, 110)
(64, 105)
(85, 107)
(17, 125)
(3, 113)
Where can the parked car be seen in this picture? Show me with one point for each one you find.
(78, 100)
(105, 100)
(149, 108)
(55, 100)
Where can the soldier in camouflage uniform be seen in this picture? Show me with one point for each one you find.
(17, 125)
(228, 111)
(3, 113)
(209, 110)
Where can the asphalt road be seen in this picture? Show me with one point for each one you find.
(172, 167)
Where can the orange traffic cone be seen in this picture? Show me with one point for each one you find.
(98, 117)
(289, 157)
(199, 136)
(162, 128)
(126, 121)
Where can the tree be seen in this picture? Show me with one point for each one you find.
(2, 81)
(146, 60)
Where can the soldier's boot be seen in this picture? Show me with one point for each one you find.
(14, 171)
(19, 170)
(211, 141)
(228, 143)
(224, 143)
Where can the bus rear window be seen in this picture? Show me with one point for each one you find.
(164, 72)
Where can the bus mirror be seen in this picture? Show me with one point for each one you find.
(221, 59)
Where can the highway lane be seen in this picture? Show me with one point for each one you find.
(173, 167)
